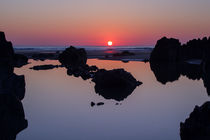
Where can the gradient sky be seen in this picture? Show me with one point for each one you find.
(94, 22)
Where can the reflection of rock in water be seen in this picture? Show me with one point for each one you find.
(165, 72)
(206, 77)
(12, 118)
(115, 84)
(169, 72)
(197, 126)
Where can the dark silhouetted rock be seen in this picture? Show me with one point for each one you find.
(12, 118)
(194, 49)
(85, 71)
(100, 104)
(44, 56)
(197, 126)
(73, 57)
(11, 83)
(114, 84)
(124, 53)
(166, 50)
(92, 104)
(20, 60)
(7, 55)
(45, 67)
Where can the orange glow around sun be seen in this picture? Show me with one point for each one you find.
(110, 43)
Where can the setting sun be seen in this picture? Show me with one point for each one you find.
(109, 43)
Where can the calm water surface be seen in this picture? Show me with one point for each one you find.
(57, 106)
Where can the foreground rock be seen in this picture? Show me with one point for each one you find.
(114, 84)
(12, 91)
(12, 117)
(197, 126)
(11, 83)
(7, 55)
(73, 57)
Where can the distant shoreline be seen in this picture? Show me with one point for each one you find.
(140, 53)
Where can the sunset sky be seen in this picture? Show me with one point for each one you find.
(94, 22)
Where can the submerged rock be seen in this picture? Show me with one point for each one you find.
(166, 50)
(73, 57)
(197, 126)
(114, 84)
(45, 67)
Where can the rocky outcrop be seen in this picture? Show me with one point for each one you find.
(11, 83)
(197, 126)
(114, 84)
(7, 55)
(85, 71)
(166, 50)
(73, 57)
(171, 50)
(12, 91)
(12, 117)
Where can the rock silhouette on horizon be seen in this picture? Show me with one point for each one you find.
(7, 55)
(197, 126)
(73, 57)
(165, 50)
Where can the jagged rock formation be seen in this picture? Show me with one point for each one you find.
(73, 57)
(166, 50)
(7, 55)
(197, 126)
(171, 50)
(114, 84)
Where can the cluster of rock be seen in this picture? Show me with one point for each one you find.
(7, 55)
(124, 53)
(197, 126)
(171, 50)
(169, 60)
(114, 84)
(12, 91)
